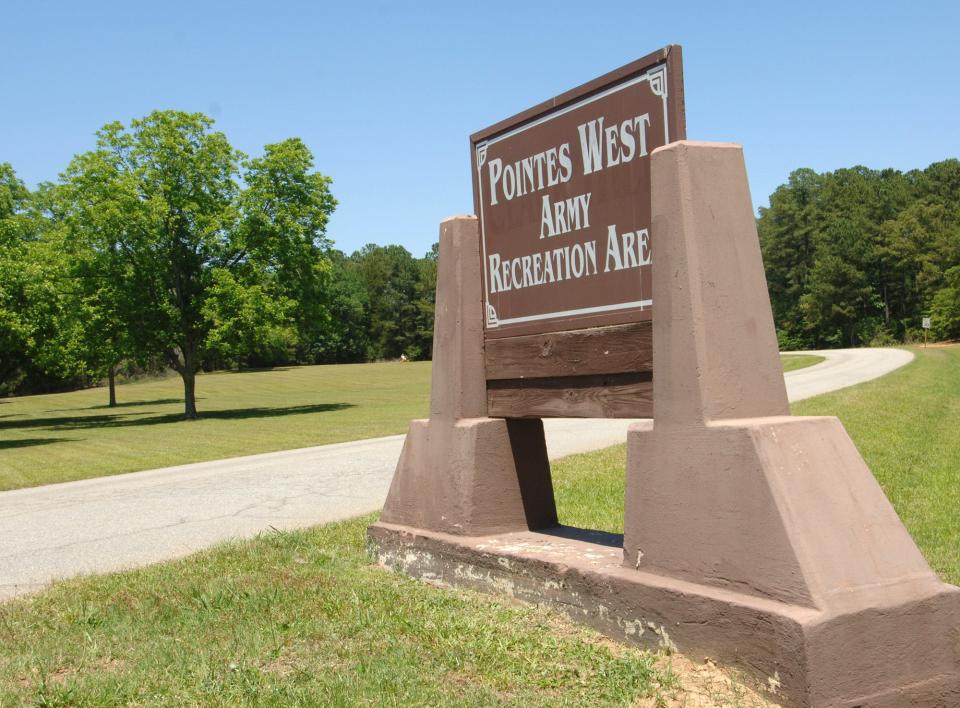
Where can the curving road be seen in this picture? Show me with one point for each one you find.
(842, 368)
(110, 523)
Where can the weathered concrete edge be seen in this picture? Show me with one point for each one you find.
(596, 597)
(768, 640)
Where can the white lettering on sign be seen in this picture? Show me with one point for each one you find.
(618, 144)
(564, 215)
(600, 147)
(555, 265)
(628, 250)
(531, 174)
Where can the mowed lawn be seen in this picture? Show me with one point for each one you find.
(66, 436)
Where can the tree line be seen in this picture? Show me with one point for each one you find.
(859, 256)
(165, 247)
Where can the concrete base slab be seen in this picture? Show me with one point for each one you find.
(792, 650)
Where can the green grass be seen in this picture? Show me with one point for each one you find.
(589, 489)
(906, 425)
(301, 618)
(67, 436)
(60, 437)
(792, 362)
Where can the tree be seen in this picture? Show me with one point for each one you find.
(14, 329)
(787, 231)
(284, 211)
(347, 338)
(77, 308)
(945, 308)
(400, 308)
(198, 264)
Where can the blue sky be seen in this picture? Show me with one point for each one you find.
(387, 94)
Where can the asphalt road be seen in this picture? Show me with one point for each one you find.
(110, 523)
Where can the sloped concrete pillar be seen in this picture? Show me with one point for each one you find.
(729, 493)
(461, 472)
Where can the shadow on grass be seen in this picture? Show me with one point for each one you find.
(128, 420)
(130, 404)
(29, 442)
(259, 370)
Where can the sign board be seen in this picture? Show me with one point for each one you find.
(562, 192)
(926, 323)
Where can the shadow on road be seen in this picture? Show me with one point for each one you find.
(119, 420)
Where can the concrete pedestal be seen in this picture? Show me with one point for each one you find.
(754, 538)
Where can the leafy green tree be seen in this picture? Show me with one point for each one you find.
(787, 232)
(14, 267)
(346, 339)
(945, 308)
(198, 264)
(426, 294)
(397, 307)
(281, 237)
(78, 309)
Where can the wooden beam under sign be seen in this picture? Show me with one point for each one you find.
(614, 349)
(595, 396)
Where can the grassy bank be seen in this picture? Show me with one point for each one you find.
(59, 437)
(67, 436)
(301, 618)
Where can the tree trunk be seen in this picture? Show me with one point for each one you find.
(189, 377)
(112, 384)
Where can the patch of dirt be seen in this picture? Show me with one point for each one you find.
(281, 666)
(65, 673)
(706, 685)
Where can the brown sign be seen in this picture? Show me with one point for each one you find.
(562, 192)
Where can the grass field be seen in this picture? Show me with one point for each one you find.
(303, 618)
(66, 436)
(792, 362)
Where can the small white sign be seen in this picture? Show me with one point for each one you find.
(926, 323)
